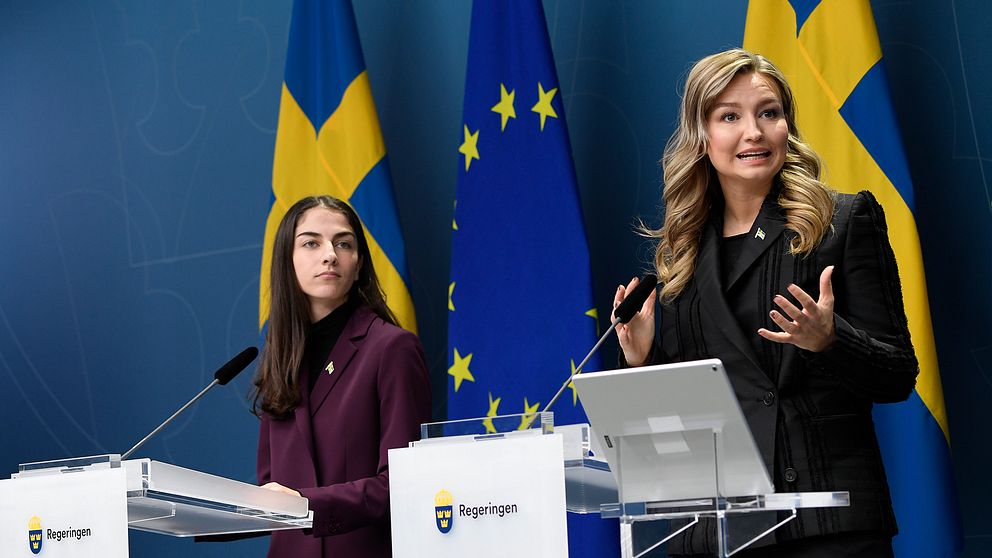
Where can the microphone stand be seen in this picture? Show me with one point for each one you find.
(222, 376)
(578, 370)
(624, 312)
(168, 420)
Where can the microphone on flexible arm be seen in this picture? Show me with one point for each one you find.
(222, 376)
(625, 312)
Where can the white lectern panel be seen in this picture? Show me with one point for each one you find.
(491, 498)
(81, 515)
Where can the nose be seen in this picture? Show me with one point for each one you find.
(331, 256)
(752, 130)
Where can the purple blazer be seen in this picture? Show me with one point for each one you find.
(333, 449)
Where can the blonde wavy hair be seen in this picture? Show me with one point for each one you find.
(690, 179)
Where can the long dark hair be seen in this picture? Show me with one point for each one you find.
(276, 391)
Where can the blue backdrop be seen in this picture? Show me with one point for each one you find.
(136, 143)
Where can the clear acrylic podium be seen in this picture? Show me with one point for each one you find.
(176, 501)
(718, 506)
(680, 448)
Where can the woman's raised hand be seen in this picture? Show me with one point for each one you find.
(637, 335)
(811, 328)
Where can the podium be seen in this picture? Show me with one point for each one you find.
(680, 448)
(493, 487)
(84, 506)
(666, 442)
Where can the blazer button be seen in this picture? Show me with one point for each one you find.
(768, 399)
(791, 475)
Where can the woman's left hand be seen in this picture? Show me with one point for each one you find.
(811, 328)
(276, 487)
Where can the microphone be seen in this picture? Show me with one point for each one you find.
(222, 376)
(630, 305)
(234, 366)
(625, 312)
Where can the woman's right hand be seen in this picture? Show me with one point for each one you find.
(276, 487)
(637, 335)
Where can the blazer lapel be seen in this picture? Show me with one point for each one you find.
(341, 354)
(767, 227)
(707, 276)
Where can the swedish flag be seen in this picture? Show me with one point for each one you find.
(520, 305)
(829, 51)
(329, 142)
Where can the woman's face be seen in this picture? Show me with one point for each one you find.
(325, 258)
(748, 134)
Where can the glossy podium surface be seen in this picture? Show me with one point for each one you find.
(172, 500)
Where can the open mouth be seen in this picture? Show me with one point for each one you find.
(754, 155)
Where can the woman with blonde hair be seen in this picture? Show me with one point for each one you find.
(794, 287)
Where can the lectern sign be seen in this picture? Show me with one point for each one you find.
(82, 514)
(491, 498)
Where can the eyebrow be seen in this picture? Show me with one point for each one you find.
(318, 235)
(766, 101)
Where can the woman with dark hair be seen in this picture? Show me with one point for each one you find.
(794, 287)
(339, 384)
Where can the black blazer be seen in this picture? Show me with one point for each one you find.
(810, 413)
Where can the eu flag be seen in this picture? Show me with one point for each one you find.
(521, 312)
(829, 51)
(329, 143)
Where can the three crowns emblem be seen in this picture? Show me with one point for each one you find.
(442, 510)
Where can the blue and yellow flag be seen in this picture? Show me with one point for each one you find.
(329, 143)
(829, 51)
(521, 312)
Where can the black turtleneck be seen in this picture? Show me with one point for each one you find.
(322, 337)
(730, 250)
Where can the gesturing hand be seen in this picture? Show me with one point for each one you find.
(811, 328)
(637, 335)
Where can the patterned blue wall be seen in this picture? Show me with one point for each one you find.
(135, 158)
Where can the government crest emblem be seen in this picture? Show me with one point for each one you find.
(35, 537)
(442, 510)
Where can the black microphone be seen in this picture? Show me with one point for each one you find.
(234, 366)
(635, 299)
(222, 376)
(625, 311)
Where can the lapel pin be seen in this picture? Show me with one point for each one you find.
(760, 235)
(330, 367)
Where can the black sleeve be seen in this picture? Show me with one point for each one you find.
(873, 355)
